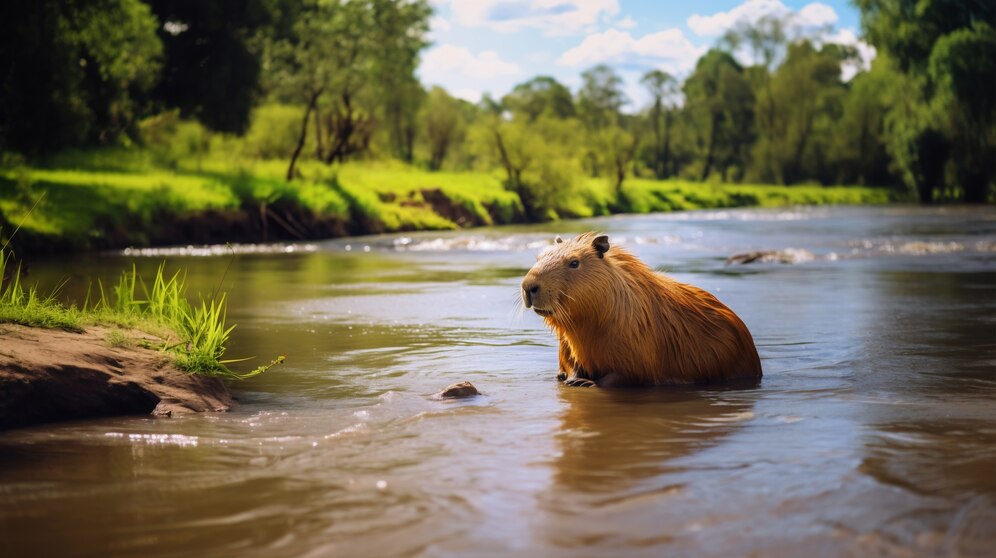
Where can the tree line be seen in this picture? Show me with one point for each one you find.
(922, 118)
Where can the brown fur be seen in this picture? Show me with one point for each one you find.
(620, 323)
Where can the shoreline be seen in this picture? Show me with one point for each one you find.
(57, 211)
(53, 375)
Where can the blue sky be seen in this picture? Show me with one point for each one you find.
(491, 45)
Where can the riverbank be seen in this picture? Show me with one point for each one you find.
(119, 198)
(123, 353)
(49, 375)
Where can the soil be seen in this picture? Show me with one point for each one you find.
(49, 375)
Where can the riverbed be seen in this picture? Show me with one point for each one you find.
(873, 431)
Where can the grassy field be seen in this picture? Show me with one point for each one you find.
(111, 198)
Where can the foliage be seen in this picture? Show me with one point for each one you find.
(74, 71)
(794, 139)
(721, 105)
(211, 67)
(444, 125)
(542, 95)
(663, 89)
(943, 129)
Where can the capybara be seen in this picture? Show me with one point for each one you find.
(619, 323)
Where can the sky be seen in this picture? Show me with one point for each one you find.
(489, 46)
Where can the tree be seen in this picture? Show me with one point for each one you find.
(538, 159)
(600, 97)
(74, 72)
(443, 124)
(540, 96)
(334, 61)
(944, 129)
(399, 32)
(662, 88)
(808, 90)
(598, 104)
(616, 149)
(211, 70)
(721, 103)
(859, 145)
(766, 40)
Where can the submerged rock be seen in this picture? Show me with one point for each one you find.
(786, 256)
(49, 375)
(458, 390)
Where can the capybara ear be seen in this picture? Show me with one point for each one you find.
(601, 245)
(558, 240)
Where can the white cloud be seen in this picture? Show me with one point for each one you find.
(669, 50)
(444, 62)
(467, 94)
(552, 17)
(866, 52)
(815, 14)
(439, 23)
(626, 23)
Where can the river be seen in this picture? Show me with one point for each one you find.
(873, 431)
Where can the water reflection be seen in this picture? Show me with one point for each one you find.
(612, 441)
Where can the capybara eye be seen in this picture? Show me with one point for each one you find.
(575, 264)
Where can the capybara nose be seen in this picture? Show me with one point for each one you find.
(528, 292)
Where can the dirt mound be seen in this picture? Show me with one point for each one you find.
(52, 375)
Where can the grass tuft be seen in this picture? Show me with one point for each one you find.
(195, 336)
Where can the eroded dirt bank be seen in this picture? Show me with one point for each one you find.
(53, 375)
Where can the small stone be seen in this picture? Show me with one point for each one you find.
(163, 410)
(460, 389)
(786, 256)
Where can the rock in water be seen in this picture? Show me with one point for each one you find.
(786, 256)
(458, 390)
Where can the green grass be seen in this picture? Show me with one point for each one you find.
(115, 196)
(194, 335)
(645, 196)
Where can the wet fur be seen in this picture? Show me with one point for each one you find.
(620, 323)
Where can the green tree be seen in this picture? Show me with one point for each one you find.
(721, 103)
(333, 60)
(74, 72)
(538, 159)
(444, 124)
(766, 40)
(662, 88)
(943, 132)
(399, 34)
(859, 145)
(600, 97)
(211, 69)
(793, 144)
(542, 95)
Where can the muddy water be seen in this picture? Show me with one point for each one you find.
(872, 433)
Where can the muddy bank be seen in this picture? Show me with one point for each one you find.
(259, 223)
(53, 375)
(252, 222)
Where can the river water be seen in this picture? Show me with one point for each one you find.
(872, 433)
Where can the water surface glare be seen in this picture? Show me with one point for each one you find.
(872, 433)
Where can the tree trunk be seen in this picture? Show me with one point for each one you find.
(658, 160)
(667, 145)
(304, 131)
(319, 149)
(712, 148)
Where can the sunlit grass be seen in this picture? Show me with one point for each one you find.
(194, 335)
(124, 195)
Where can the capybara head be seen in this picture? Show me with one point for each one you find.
(566, 275)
